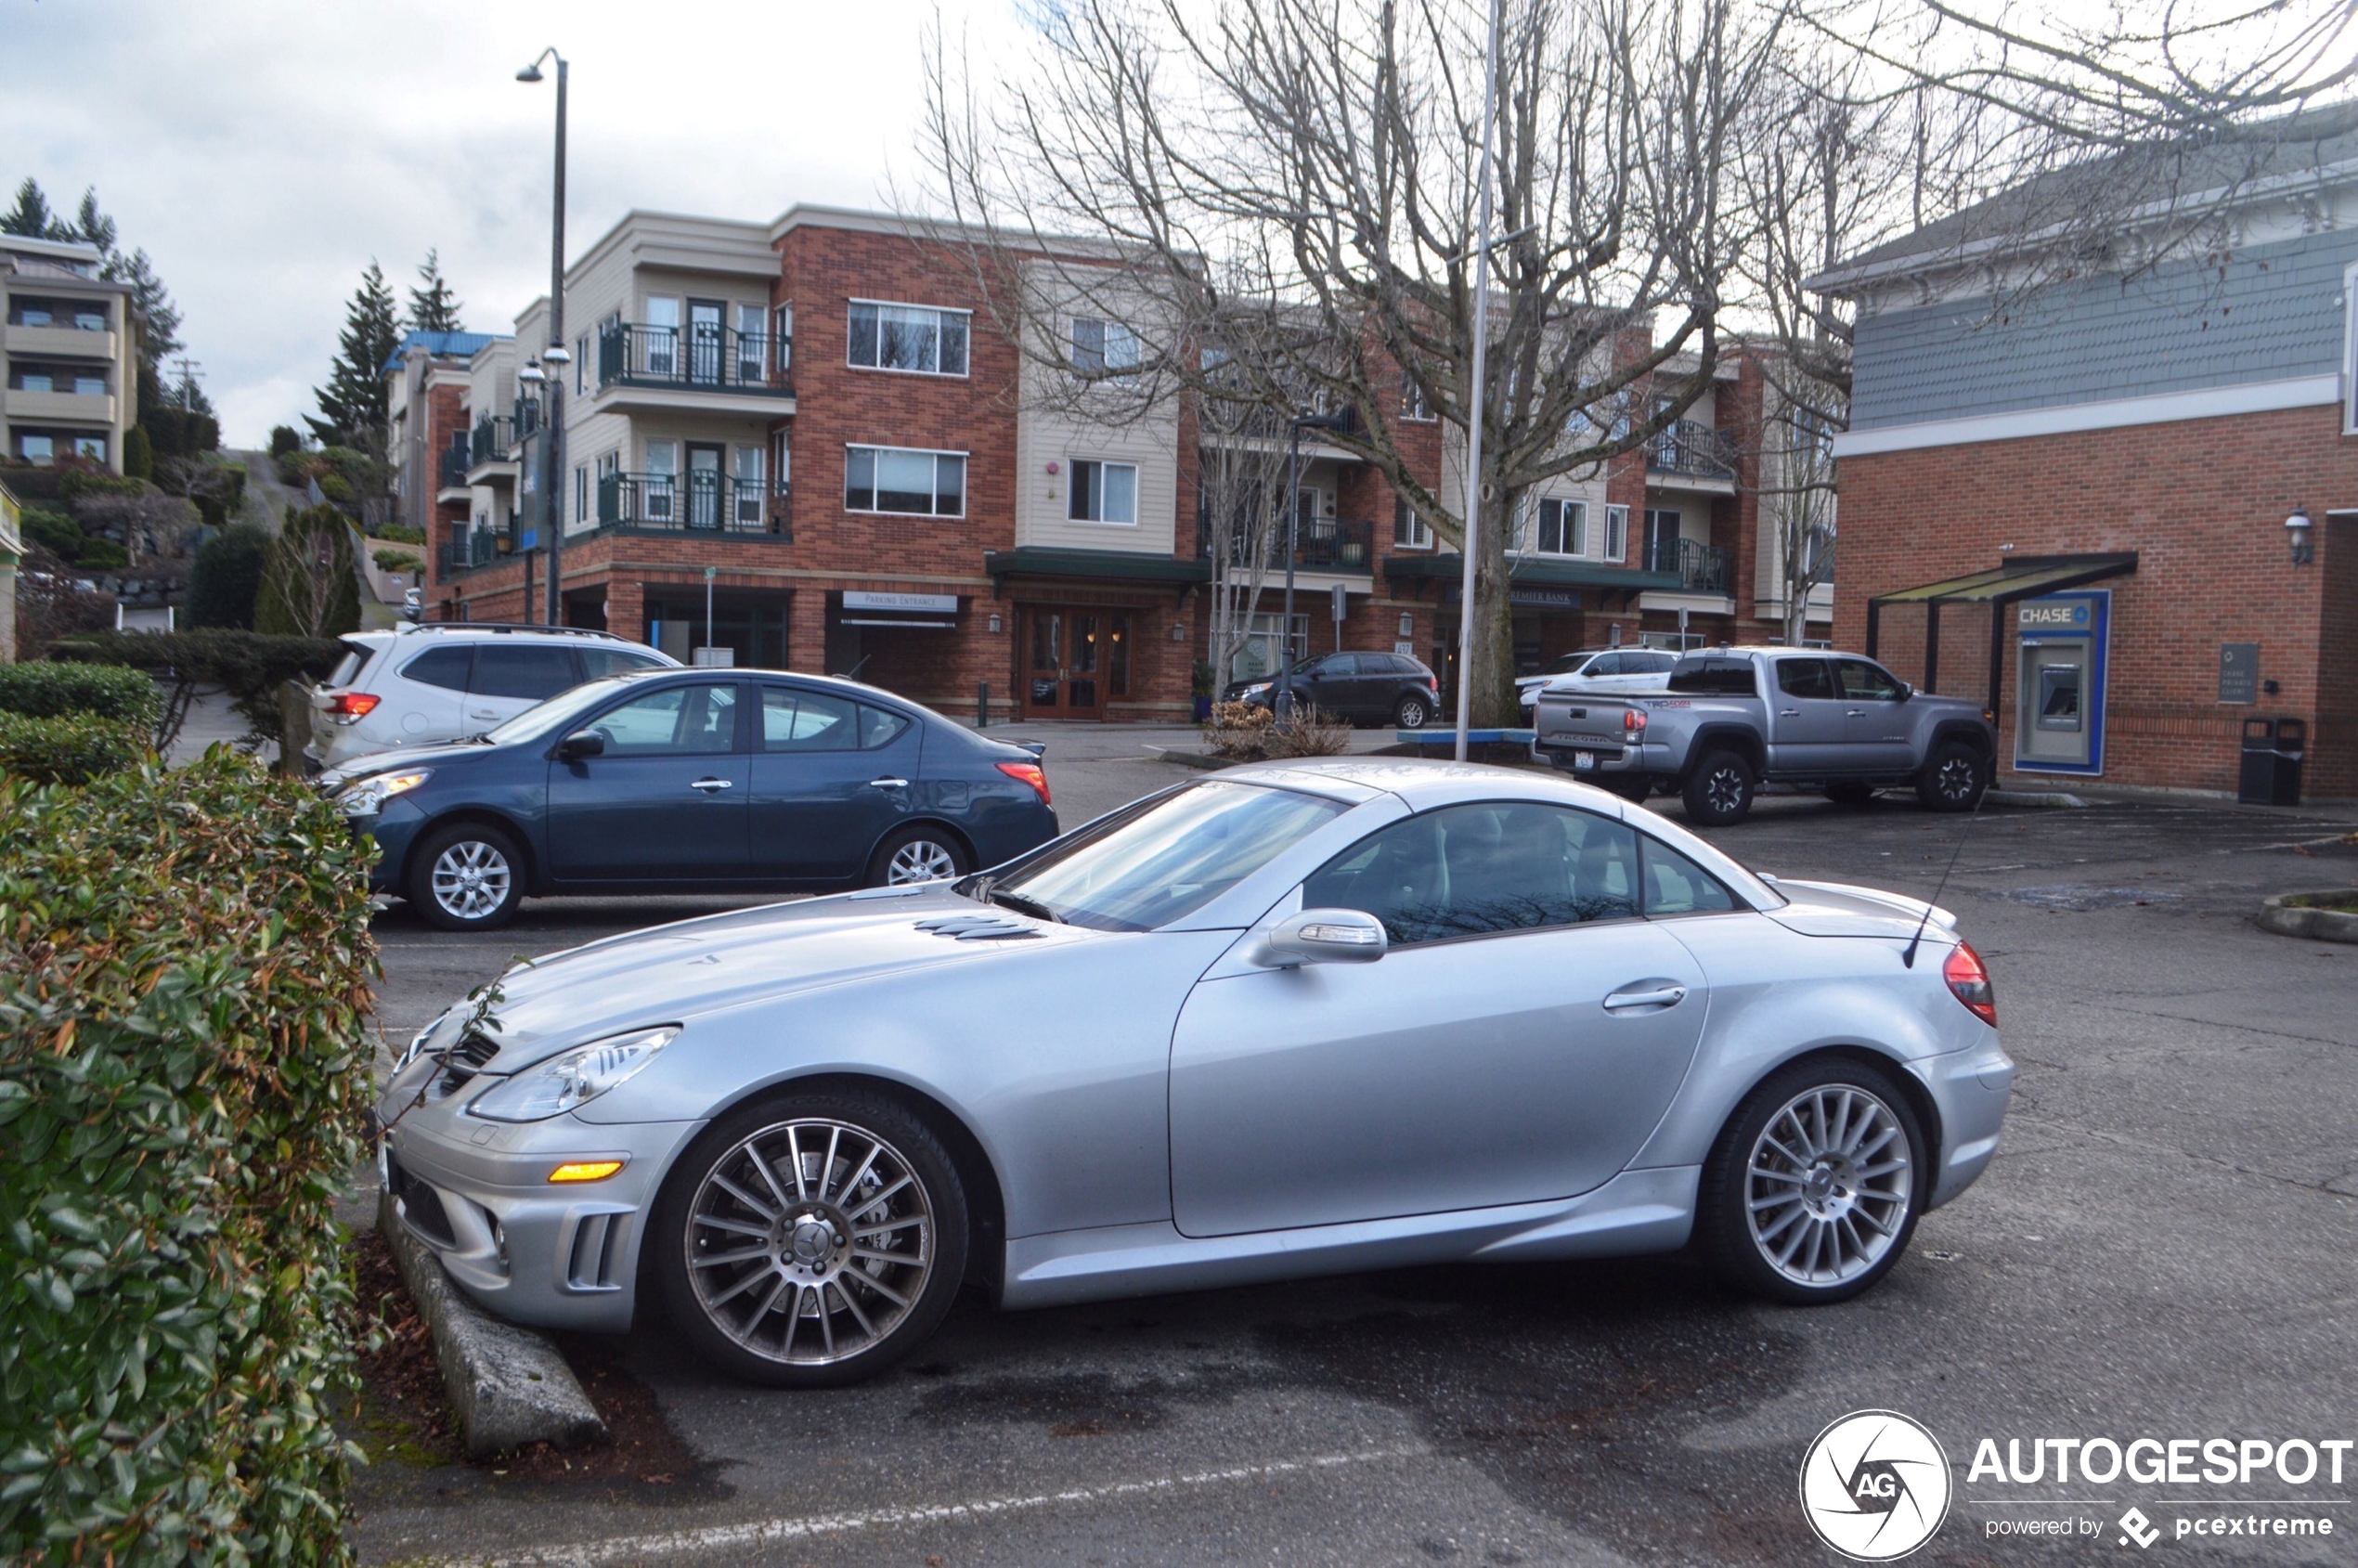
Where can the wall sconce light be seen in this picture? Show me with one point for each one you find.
(1408, 624)
(2300, 530)
(994, 625)
(1178, 631)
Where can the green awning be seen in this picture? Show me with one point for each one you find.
(2023, 578)
(1039, 560)
(1540, 571)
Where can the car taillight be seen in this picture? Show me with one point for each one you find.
(1030, 773)
(1632, 720)
(1432, 685)
(353, 705)
(1969, 981)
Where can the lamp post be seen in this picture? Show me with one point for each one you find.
(552, 492)
(1475, 413)
(1284, 702)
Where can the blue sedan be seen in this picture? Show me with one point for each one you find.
(692, 780)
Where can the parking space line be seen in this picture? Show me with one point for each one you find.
(760, 1532)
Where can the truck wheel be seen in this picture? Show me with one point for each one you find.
(1953, 778)
(1718, 790)
(1850, 793)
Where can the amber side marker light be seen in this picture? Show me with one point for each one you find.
(585, 1170)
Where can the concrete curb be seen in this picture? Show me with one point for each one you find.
(2050, 800)
(2291, 914)
(508, 1386)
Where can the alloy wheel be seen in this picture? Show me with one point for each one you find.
(1724, 789)
(1828, 1185)
(1956, 778)
(1412, 714)
(810, 1241)
(920, 860)
(470, 879)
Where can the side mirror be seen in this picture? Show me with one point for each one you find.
(581, 745)
(1323, 936)
(1906, 691)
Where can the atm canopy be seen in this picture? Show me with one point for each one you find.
(2025, 578)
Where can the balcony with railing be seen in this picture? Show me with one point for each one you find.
(493, 439)
(1321, 544)
(454, 462)
(692, 502)
(699, 358)
(1692, 450)
(472, 549)
(1700, 568)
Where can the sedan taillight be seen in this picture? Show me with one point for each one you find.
(1969, 982)
(1030, 773)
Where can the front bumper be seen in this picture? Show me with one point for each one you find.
(390, 832)
(477, 1192)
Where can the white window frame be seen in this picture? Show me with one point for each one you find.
(1412, 403)
(1108, 369)
(938, 310)
(1420, 531)
(2349, 350)
(1579, 525)
(580, 492)
(582, 365)
(1074, 490)
(1616, 533)
(758, 479)
(935, 452)
(782, 339)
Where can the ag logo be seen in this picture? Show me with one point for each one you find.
(1875, 1486)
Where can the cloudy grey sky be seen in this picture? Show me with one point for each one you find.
(264, 151)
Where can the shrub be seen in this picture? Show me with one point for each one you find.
(310, 578)
(338, 489)
(105, 690)
(53, 529)
(399, 533)
(138, 453)
(51, 603)
(249, 665)
(83, 481)
(149, 526)
(72, 749)
(284, 439)
(101, 555)
(1237, 729)
(1308, 732)
(184, 968)
(227, 576)
(396, 561)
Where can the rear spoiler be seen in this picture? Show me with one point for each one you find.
(1037, 748)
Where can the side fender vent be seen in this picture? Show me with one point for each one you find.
(978, 929)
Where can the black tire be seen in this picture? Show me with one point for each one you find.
(1633, 790)
(1850, 791)
(803, 1344)
(1725, 1230)
(449, 854)
(1414, 713)
(923, 853)
(1717, 790)
(1953, 777)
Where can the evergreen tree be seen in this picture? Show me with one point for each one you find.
(94, 224)
(31, 218)
(432, 307)
(227, 575)
(310, 584)
(353, 406)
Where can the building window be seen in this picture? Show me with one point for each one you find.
(1616, 533)
(1103, 492)
(582, 492)
(899, 479)
(610, 332)
(918, 339)
(1102, 348)
(753, 351)
(749, 491)
(662, 352)
(84, 380)
(1662, 541)
(43, 447)
(2350, 351)
(782, 338)
(1412, 401)
(89, 315)
(1408, 530)
(781, 461)
(1562, 529)
(582, 365)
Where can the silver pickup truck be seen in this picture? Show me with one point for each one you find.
(1732, 720)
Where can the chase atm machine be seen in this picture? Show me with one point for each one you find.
(2059, 702)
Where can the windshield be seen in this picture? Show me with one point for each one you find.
(1566, 664)
(1164, 858)
(558, 712)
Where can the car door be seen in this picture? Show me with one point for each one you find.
(831, 777)
(1642, 670)
(667, 800)
(1876, 710)
(1808, 721)
(509, 677)
(1517, 1042)
(431, 695)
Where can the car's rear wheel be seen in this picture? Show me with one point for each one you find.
(1813, 1190)
(1414, 712)
(1718, 792)
(810, 1239)
(468, 876)
(1953, 778)
(924, 853)
(1850, 793)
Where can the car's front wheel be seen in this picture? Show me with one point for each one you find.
(1953, 778)
(810, 1240)
(923, 853)
(1814, 1187)
(468, 876)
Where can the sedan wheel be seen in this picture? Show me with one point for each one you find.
(812, 1241)
(917, 854)
(466, 878)
(1826, 1193)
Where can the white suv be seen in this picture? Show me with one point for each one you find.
(1601, 671)
(420, 685)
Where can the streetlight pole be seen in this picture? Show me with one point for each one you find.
(553, 506)
(1284, 703)
(1480, 374)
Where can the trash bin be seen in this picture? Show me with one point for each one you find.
(2272, 750)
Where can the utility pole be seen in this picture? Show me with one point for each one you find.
(1481, 372)
(553, 506)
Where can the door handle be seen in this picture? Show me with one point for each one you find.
(1789, 713)
(483, 713)
(1666, 997)
(888, 783)
(709, 785)
(1855, 713)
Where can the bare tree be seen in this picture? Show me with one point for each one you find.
(1309, 167)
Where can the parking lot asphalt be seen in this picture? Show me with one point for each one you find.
(2163, 1248)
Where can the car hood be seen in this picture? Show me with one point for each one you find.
(1837, 909)
(672, 974)
(375, 762)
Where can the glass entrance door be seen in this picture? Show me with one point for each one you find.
(704, 342)
(1074, 659)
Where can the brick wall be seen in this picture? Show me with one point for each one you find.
(2203, 503)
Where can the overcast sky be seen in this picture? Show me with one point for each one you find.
(264, 151)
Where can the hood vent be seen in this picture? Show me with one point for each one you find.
(978, 929)
(468, 1057)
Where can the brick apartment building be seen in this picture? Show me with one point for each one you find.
(817, 410)
(427, 382)
(2077, 509)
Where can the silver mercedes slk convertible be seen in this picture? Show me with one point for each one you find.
(1292, 1019)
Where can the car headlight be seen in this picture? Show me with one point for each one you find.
(368, 796)
(573, 1078)
(1252, 692)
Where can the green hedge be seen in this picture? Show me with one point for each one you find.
(185, 963)
(72, 748)
(110, 690)
(249, 666)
